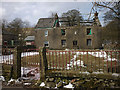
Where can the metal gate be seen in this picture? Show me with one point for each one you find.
(30, 60)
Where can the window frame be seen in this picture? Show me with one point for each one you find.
(62, 42)
(46, 33)
(75, 43)
(63, 31)
(89, 31)
(88, 42)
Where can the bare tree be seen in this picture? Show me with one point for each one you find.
(114, 9)
(15, 26)
(73, 16)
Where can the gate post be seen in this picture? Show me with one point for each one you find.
(17, 62)
(43, 63)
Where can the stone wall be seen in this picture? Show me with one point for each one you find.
(77, 33)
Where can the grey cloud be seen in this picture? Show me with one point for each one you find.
(32, 11)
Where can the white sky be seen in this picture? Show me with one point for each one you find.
(32, 11)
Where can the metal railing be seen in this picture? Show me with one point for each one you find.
(84, 61)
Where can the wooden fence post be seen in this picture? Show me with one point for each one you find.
(17, 62)
(43, 63)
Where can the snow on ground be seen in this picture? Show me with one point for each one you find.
(115, 74)
(42, 84)
(30, 71)
(98, 72)
(101, 54)
(73, 61)
(5, 58)
(2, 78)
(24, 54)
(85, 73)
(69, 86)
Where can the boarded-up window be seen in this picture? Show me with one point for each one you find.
(63, 42)
(74, 43)
(46, 43)
(89, 31)
(63, 31)
(89, 42)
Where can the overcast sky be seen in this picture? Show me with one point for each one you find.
(32, 11)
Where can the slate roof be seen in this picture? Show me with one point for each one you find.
(45, 23)
(30, 38)
(49, 22)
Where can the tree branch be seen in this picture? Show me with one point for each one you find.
(105, 6)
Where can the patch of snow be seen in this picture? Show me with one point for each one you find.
(25, 70)
(31, 70)
(79, 63)
(5, 58)
(42, 84)
(115, 74)
(98, 73)
(66, 49)
(17, 81)
(69, 86)
(27, 84)
(101, 54)
(75, 63)
(2, 78)
(11, 80)
(85, 73)
(29, 54)
(25, 78)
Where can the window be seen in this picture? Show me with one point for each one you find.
(46, 43)
(75, 32)
(12, 42)
(63, 42)
(46, 33)
(5, 43)
(74, 43)
(63, 31)
(89, 42)
(89, 31)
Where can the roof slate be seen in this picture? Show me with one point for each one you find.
(45, 22)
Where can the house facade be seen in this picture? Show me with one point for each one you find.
(9, 40)
(30, 42)
(52, 34)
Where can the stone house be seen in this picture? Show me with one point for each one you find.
(53, 34)
(9, 39)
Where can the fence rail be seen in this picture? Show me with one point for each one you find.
(92, 61)
(7, 56)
